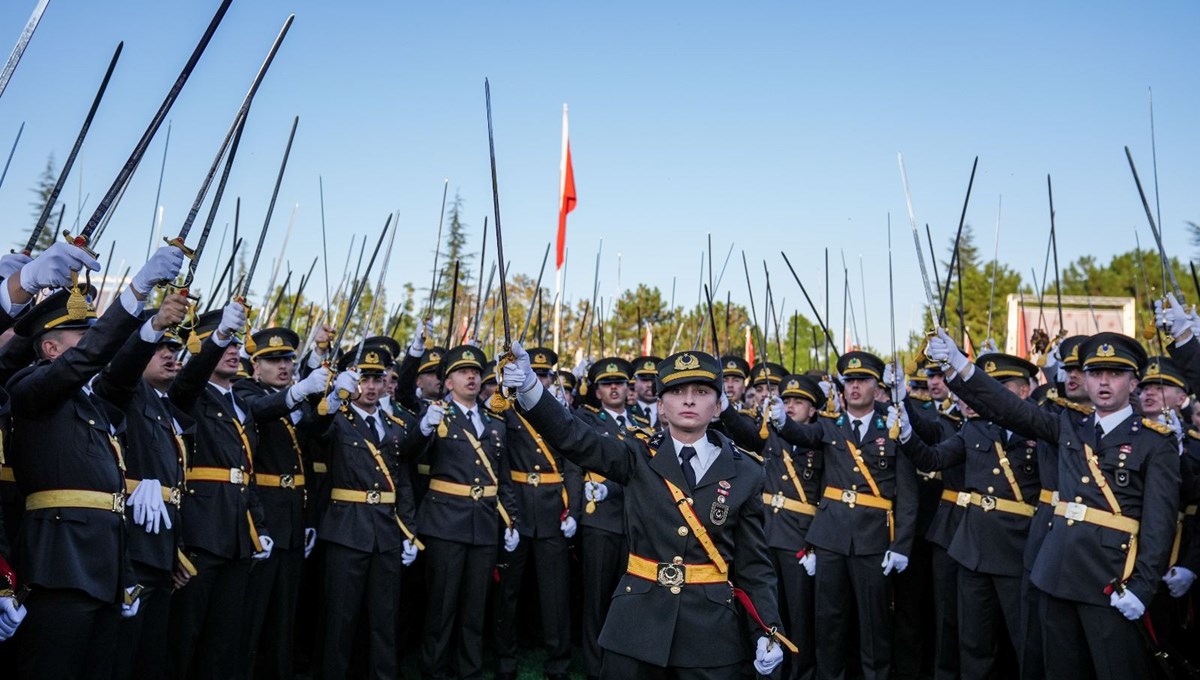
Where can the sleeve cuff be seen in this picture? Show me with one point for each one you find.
(130, 302)
(148, 334)
(530, 398)
(6, 302)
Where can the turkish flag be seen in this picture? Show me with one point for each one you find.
(567, 198)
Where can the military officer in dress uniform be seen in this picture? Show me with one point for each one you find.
(999, 499)
(547, 493)
(224, 527)
(1118, 486)
(734, 372)
(469, 510)
(864, 527)
(136, 381)
(645, 377)
(368, 526)
(69, 459)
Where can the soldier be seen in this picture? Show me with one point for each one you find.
(1001, 485)
(469, 506)
(367, 526)
(865, 523)
(136, 382)
(69, 461)
(645, 375)
(734, 371)
(1118, 486)
(279, 474)
(224, 527)
(678, 571)
(565, 380)
(603, 521)
(547, 494)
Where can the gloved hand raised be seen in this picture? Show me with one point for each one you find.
(417, 347)
(518, 374)
(1172, 316)
(313, 384)
(941, 348)
(12, 263)
(233, 318)
(433, 416)
(162, 267)
(53, 267)
(778, 412)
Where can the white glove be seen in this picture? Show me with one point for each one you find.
(267, 543)
(900, 387)
(417, 347)
(889, 374)
(594, 491)
(568, 526)
(581, 368)
(1179, 580)
(511, 539)
(310, 541)
(559, 395)
(1128, 604)
(233, 318)
(12, 263)
(128, 611)
(149, 510)
(943, 350)
(894, 561)
(408, 554)
(990, 347)
(1170, 418)
(518, 374)
(313, 384)
(809, 562)
(1052, 361)
(52, 269)
(724, 402)
(899, 413)
(11, 616)
(765, 660)
(826, 388)
(778, 412)
(162, 267)
(433, 416)
(1172, 316)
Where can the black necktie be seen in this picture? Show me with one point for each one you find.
(370, 421)
(857, 424)
(686, 454)
(233, 405)
(621, 422)
(1099, 432)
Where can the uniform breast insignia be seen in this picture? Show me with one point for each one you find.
(718, 512)
(1156, 426)
(1122, 478)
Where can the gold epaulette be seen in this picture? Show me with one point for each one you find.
(921, 397)
(752, 454)
(829, 414)
(1193, 434)
(642, 434)
(1156, 426)
(957, 419)
(750, 413)
(1067, 403)
(591, 408)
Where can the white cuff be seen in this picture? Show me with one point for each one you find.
(291, 399)
(130, 302)
(6, 302)
(215, 336)
(148, 334)
(315, 360)
(530, 397)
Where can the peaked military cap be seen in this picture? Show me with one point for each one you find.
(1164, 371)
(431, 360)
(1112, 351)
(932, 368)
(568, 379)
(683, 368)
(385, 342)
(732, 364)
(206, 325)
(858, 364)
(542, 360)
(275, 343)
(489, 373)
(803, 387)
(57, 312)
(646, 366)
(1005, 367)
(463, 356)
(374, 360)
(609, 370)
(767, 372)
(1068, 351)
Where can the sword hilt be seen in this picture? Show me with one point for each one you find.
(501, 400)
(189, 253)
(79, 241)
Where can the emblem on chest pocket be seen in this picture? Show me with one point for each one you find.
(1122, 478)
(718, 513)
(1030, 468)
(883, 463)
(807, 474)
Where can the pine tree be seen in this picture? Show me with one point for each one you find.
(41, 190)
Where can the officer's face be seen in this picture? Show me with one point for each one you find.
(965, 408)
(1108, 389)
(464, 384)
(1019, 387)
(1076, 387)
(613, 394)
(645, 389)
(54, 343)
(763, 389)
(369, 389)
(546, 378)
(162, 369)
(735, 387)
(389, 382)
(275, 371)
(1158, 398)
(227, 367)
(937, 387)
(430, 385)
(918, 390)
(883, 394)
(800, 410)
(486, 391)
(860, 393)
(688, 409)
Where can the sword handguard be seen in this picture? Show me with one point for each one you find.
(323, 406)
(248, 343)
(500, 400)
(79, 241)
(189, 253)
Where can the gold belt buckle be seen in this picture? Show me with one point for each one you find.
(849, 497)
(476, 492)
(671, 575)
(964, 499)
(374, 498)
(1076, 512)
(535, 478)
(118, 503)
(988, 503)
(176, 496)
(777, 500)
(287, 482)
(237, 476)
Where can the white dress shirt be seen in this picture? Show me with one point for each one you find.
(1110, 421)
(473, 412)
(706, 453)
(377, 417)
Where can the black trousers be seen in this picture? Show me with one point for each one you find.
(205, 623)
(621, 667)
(1090, 641)
(989, 608)
(269, 622)
(854, 581)
(550, 564)
(356, 581)
(66, 634)
(945, 614)
(1033, 657)
(143, 649)
(604, 558)
(798, 607)
(912, 602)
(456, 577)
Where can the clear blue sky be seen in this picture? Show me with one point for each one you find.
(774, 125)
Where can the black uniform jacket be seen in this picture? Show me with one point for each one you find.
(859, 530)
(217, 515)
(991, 540)
(1141, 466)
(608, 514)
(454, 459)
(698, 625)
(352, 465)
(152, 449)
(63, 439)
(541, 507)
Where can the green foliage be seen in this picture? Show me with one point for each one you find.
(41, 191)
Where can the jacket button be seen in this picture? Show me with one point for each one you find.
(91, 422)
(537, 468)
(784, 478)
(991, 489)
(995, 471)
(683, 531)
(1084, 479)
(628, 589)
